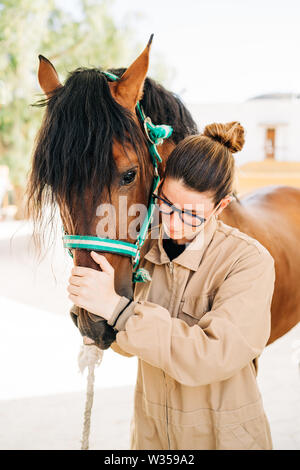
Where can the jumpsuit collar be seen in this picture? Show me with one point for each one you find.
(191, 257)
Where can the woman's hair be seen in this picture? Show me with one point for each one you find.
(205, 162)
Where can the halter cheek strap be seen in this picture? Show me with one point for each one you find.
(155, 136)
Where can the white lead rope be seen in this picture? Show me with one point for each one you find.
(90, 356)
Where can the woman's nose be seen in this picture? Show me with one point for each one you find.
(175, 221)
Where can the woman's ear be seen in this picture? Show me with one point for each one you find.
(225, 201)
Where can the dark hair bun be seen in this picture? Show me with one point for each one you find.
(230, 134)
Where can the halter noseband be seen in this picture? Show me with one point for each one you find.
(155, 136)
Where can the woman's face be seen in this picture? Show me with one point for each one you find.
(201, 204)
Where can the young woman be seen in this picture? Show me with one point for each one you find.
(199, 326)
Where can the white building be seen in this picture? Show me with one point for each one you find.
(272, 124)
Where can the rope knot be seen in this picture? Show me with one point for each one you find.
(156, 133)
(89, 356)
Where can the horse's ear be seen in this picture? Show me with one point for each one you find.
(129, 89)
(47, 75)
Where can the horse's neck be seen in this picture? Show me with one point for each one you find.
(237, 215)
(164, 151)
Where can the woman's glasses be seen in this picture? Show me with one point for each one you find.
(187, 217)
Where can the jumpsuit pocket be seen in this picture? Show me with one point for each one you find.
(253, 434)
(192, 309)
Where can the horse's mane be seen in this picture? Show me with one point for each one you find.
(165, 107)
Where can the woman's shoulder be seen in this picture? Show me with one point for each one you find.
(240, 242)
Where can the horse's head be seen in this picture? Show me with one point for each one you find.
(91, 159)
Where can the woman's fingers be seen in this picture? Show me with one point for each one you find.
(76, 300)
(75, 280)
(74, 289)
(81, 271)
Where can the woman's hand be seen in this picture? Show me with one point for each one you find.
(94, 290)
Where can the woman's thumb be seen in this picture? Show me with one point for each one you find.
(103, 263)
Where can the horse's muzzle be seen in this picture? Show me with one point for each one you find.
(94, 327)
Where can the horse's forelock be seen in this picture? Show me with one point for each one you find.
(73, 151)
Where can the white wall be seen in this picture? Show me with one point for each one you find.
(256, 116)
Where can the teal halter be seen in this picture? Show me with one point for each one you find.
(155, 136)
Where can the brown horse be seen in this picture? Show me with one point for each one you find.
(91, 149)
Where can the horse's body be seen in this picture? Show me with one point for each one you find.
(271, 215)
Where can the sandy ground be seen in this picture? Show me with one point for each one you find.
(42, 393)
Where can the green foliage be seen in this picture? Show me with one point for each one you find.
(32, 27)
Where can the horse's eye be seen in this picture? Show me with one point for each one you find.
(128, 177)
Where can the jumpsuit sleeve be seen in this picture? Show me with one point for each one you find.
(116, 348)
(226, 339)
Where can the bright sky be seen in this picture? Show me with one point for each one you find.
(221, 50)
